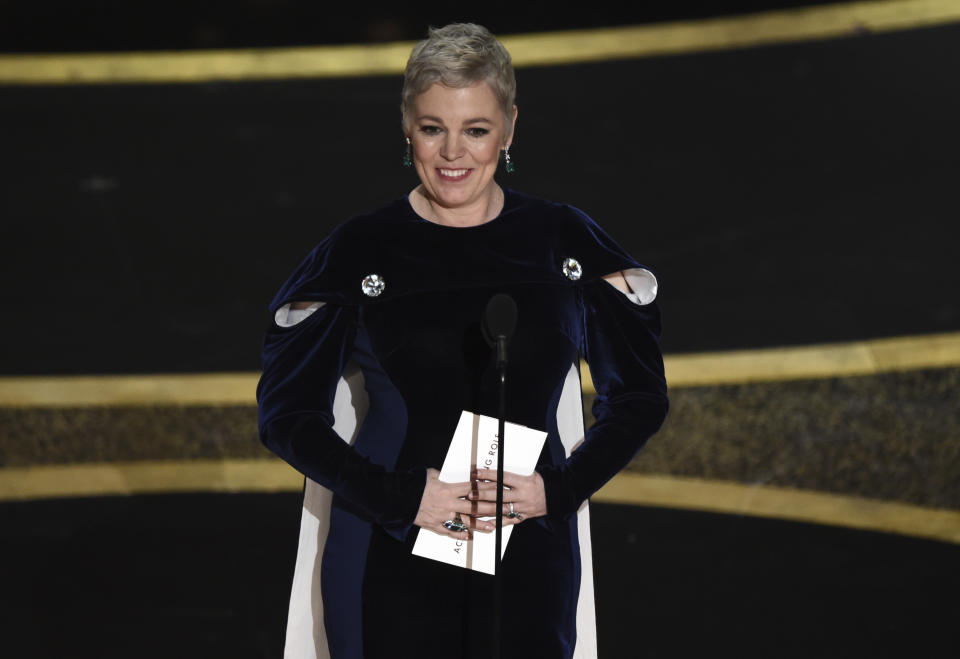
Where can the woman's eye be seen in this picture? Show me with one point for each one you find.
(477, 132)
(430, 130)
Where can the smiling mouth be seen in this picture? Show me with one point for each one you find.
(454, 174)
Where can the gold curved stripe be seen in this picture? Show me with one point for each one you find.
(147, 477)
(686, 370)
(271, 475)
(783, 503)
(567, 47)
(160, 389)
(825, 360)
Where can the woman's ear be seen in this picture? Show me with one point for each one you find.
(513, 124)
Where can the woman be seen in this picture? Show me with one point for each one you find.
(376, 349)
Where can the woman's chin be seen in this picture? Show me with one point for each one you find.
(452, 195)
(458, 193)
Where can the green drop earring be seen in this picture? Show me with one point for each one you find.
(508, 164)
(408, 155)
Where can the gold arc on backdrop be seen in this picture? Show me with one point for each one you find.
(719, 368)
(538, 49)
(683, 370)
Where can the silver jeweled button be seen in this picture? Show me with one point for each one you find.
(572, 269)
(373, 285)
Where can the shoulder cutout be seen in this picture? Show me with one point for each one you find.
(641, 284)
(290, 314)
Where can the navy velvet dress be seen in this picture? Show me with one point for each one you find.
(419, 348)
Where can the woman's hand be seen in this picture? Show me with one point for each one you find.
(526, 493)
(447, 501)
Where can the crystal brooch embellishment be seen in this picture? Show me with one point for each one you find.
(373, 285)
(572, 269)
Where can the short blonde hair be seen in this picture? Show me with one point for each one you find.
(459, 55)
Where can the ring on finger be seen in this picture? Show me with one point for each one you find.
(455, 525)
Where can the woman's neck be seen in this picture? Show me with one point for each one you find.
(479, 212)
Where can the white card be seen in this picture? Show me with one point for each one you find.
(475, 444)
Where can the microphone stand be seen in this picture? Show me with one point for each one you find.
(497, 574)
(499, 321)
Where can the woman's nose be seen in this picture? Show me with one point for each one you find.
(451, 148)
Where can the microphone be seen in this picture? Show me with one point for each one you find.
(499, 322)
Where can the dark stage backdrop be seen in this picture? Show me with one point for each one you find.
(789, 194)
(784, 195)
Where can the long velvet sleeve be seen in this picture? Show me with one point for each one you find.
(621, 345)
(301, 368)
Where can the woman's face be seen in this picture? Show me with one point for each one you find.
(457, 135)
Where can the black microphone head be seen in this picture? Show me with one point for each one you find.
(499, 318)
